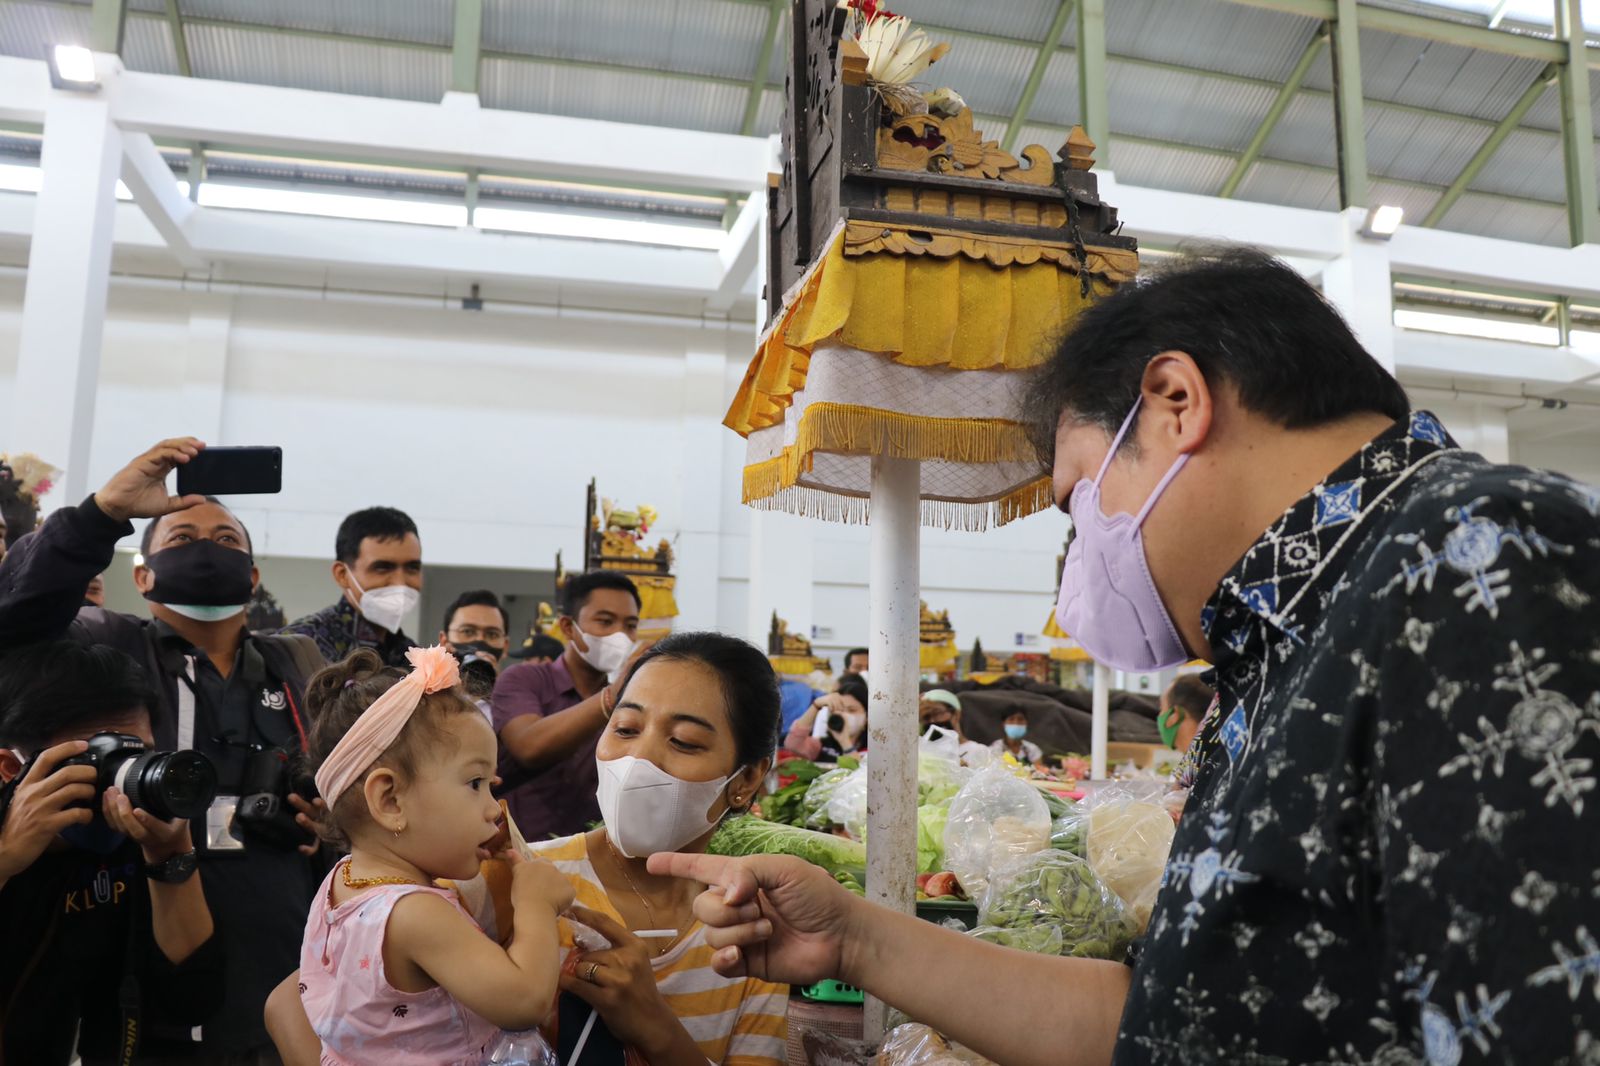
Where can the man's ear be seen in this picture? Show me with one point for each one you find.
(144, 578)
(1178, 405)
(382, 792)
(573, 634)
(10, 765)
(255, 579)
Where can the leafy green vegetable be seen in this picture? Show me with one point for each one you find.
(1056, 805)
(1055, 890)
(930, 838)
(1039, 939)
(814, 806)
(785, 805)
(938, 780)
(748, 835)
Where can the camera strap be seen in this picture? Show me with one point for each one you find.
(186, 703)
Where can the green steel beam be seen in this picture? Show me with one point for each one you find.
(466, 46)
(108, 19)
(1349, 125)
(1577, 128)
(180, 43)
(758, 81)
(1496, 138)
(1222, 153)
(1445, 31)
(1041, 63)
(1093, 100)
(1274, 113)
(197, 171)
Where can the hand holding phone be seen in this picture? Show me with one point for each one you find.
(232, 472)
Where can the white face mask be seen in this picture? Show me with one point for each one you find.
(205, 614)
(647, 810)
(606, 654)
(387, 607)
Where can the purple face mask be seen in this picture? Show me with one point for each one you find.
(1108, 602)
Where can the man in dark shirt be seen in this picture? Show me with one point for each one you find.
(105, 924)
(1388, 853)
(378, 568)
(220, 691)
(549, 715)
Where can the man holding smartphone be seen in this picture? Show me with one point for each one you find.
(222, 691)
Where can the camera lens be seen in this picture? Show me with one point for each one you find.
(170, 784)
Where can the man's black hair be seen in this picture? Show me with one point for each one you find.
(149, 537)
(378, 523)
(1244, 317)
(575, 593)
(749, 686)
(851, 654)
(1192, 695)
(476, 598)
(59, 687)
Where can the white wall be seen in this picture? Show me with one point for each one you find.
(486, 428)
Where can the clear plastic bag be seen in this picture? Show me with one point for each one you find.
(525, 1048)
(848, 807)
(1056, 891)
(993, 819)
(919, 1045)
(1070, 831)
(815, 805)
(1041, 939)
(1130, 837)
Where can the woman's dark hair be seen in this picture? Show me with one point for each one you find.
(1245, 318)
(52, 689)
(749, 686)
(338, 695)
(1192, 695)
(854, 686)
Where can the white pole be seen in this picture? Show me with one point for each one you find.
(895, 586)
(1102, 719)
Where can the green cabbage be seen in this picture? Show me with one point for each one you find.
(930, 838)
(748, 835)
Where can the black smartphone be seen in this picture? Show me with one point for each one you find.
(232, 472)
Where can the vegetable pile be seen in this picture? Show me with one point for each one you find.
(1053, 900)
(845, 859)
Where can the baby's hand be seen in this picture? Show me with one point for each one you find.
(537, 881)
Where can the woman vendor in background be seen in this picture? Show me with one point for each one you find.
(1015, 744)
(694, 728)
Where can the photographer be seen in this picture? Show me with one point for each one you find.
(220, 690)
(474, 632)
(104, 920)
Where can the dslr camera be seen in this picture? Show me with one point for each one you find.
(479, 667)
(264, 813)
(168, 784)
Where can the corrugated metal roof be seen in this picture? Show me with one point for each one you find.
(1418, 147)
(619, 97)
(1211, 34)
(1546, 114)
(1160, 167)
(1529, 163)
(147, 46)
(1027, 20)
(1275, 183)
(1515, 220)
(989, 75)
(309, 63)
(27, 29)
(771, 112)
(425, 21)
(1305, 134)
(715, 37)
(1057, 99)
(1417, 202)
(1168, 105)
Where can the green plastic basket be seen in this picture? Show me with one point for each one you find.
(834, 992)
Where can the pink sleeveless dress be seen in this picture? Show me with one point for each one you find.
(359, 1016)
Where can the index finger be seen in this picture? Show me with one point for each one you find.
(51, 758)
(604, 925)
(735, 879)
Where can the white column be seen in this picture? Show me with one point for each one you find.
(205, 367)
(1359, 285)
(69, 271)
(700, 502)
(782, 574)
(1491, 433)
(892, 645)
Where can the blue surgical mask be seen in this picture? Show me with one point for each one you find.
(97, 837)
(1016, 732)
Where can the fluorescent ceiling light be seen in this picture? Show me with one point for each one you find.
(332, 205)
(598, 228)
(1470, 326)
(73, 66)
(1383, 220)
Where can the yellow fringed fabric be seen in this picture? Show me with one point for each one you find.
(937, 656)
(918, 311)
(656, 601)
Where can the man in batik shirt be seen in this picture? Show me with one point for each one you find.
(1390, 854)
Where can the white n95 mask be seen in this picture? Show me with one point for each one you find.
(387, 607)
(647, 810)
(606, 654)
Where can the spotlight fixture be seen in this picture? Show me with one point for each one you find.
(72, 67)
(1382, 221)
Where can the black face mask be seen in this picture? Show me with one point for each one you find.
(201, 573)
(464, 648)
